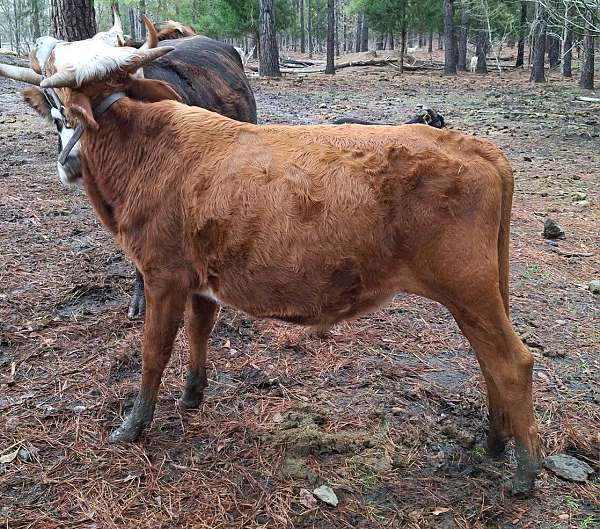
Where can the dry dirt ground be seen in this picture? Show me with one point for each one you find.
(389, 410)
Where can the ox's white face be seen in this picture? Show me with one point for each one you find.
(66, 56)
(70, 172)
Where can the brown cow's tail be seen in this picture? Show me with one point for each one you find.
(504, 232)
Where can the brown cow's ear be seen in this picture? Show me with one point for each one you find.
(36, 99)
(80, 107)
(151, 90)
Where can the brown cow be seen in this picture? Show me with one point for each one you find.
(306, 224)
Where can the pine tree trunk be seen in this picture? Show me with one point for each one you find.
(142, 26)
(133, 33)
(379, 42)
(567, 70)
(430, 47)
(539, 44)
(35, 19)
(450, 57)
(330, 68)
(309, 28)
(268, 60)
(302, 29)
(482, 40)
(403, 37)
(359, 23)
(463, 38)
(391, 43)
(364, 36)
(73, 19)
(337, 29)
(521, 45)
(553, 45)
(587, 66)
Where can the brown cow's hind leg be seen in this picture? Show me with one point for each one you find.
(507, 366)
(200, 317)
(164, 311)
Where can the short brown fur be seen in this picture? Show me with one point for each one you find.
(313, 225)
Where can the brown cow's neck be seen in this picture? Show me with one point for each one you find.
(121, 156)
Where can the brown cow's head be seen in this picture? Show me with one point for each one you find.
(74, 75)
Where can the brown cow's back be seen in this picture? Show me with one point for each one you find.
(342, 214)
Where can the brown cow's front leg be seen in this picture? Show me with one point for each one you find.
(201, 314)
(163, 319)
(508, 366)
(137, 305)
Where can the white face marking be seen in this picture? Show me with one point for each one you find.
(70, 173)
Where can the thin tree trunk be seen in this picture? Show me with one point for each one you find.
(268, 60)
(553, 45)
(35, 19)
(450, 58)
(132, 30)
(463, 38)
(482, 40)
(521, 45)
(142, 26)
(359, 23)
(302, 29)
(567, 70)
(73, 19)
(309, 28)
(587, 67)
(379, 42)
(430, 48)
(539, 44)
(364, 36)
(330, 68)
(391, 43)
(337, 29)
(403, 37)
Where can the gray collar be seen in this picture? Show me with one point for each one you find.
(98, 110)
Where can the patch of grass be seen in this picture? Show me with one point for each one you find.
(535, 271)
(571, 502)
(589, 522)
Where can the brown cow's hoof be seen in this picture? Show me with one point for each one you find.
(133, 425)
(495, 446)
(189, 403)
(137, 306)
(126, 433)
(523, 486)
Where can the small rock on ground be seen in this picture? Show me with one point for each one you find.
(595, 286)
(307, 499)
(552, 230)
(568, 467)
(326, 495)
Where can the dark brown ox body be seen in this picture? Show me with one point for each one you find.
(208, 74)
(309, 224)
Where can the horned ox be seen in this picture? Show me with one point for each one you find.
(203, 72)
(306, 224)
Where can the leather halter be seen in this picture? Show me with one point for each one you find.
(99, 109)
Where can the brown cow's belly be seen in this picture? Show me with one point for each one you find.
(299, 302)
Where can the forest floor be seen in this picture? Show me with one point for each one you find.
(389, 410)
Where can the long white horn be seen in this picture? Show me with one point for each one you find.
(143, 57)
(18, 73)
(117, 25)
(64, 79)
(152, 36)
